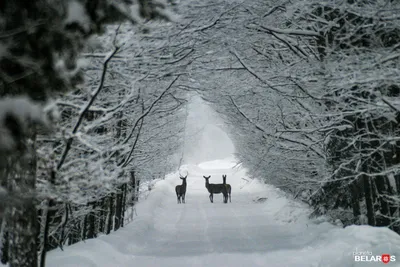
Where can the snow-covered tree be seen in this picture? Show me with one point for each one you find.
(40, 47)
(308, 92)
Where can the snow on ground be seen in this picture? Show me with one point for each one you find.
(218, 165)
(261, 227)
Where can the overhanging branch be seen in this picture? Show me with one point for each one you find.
(86, 108)
(265, 133)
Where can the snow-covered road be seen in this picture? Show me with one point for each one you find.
(245, 232)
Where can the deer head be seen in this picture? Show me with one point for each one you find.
(183, 177)
(224, 178)
(205, 177)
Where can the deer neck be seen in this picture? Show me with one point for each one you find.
(224, 180)
(184, 183)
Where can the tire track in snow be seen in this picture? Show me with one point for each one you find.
(182, 214)
(242, 227)
(206, 227)
(178, 221)
(147, 228)
(245, 235)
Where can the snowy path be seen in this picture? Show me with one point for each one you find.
(241, 233)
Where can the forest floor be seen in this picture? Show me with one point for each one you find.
(260, 227)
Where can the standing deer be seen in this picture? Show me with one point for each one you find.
(181, 190)
(216, 189)
(228, 187)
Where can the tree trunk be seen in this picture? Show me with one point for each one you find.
(5, 246)
(91, 222)
(384, 206)
(64, 224)
(123, 203)
(102, 217)
(84, 228)
(369, 200)
(397, 179)
(74, 236)
(23, 224)
(132, 188)
(355, 201)
(45, 244)
(118, 209)
(23, 249)
(137, 190)
(5, 242)
(110, 213)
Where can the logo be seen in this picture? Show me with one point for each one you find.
(386, 258)
(368, 256)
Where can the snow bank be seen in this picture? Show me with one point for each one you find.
(296, 240)
(114, 249)
(335, 248)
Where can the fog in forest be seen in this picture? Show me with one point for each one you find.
(205, 138)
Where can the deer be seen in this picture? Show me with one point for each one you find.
(216, 189)
(181, 190)
(228, 187)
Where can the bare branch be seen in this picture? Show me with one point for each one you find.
(291, 32)
(265, 133)
(272, 10)
(86, 109)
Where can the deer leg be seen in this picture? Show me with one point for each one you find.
(211, 198)
(183, 198)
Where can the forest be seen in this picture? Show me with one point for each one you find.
(95, 96)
